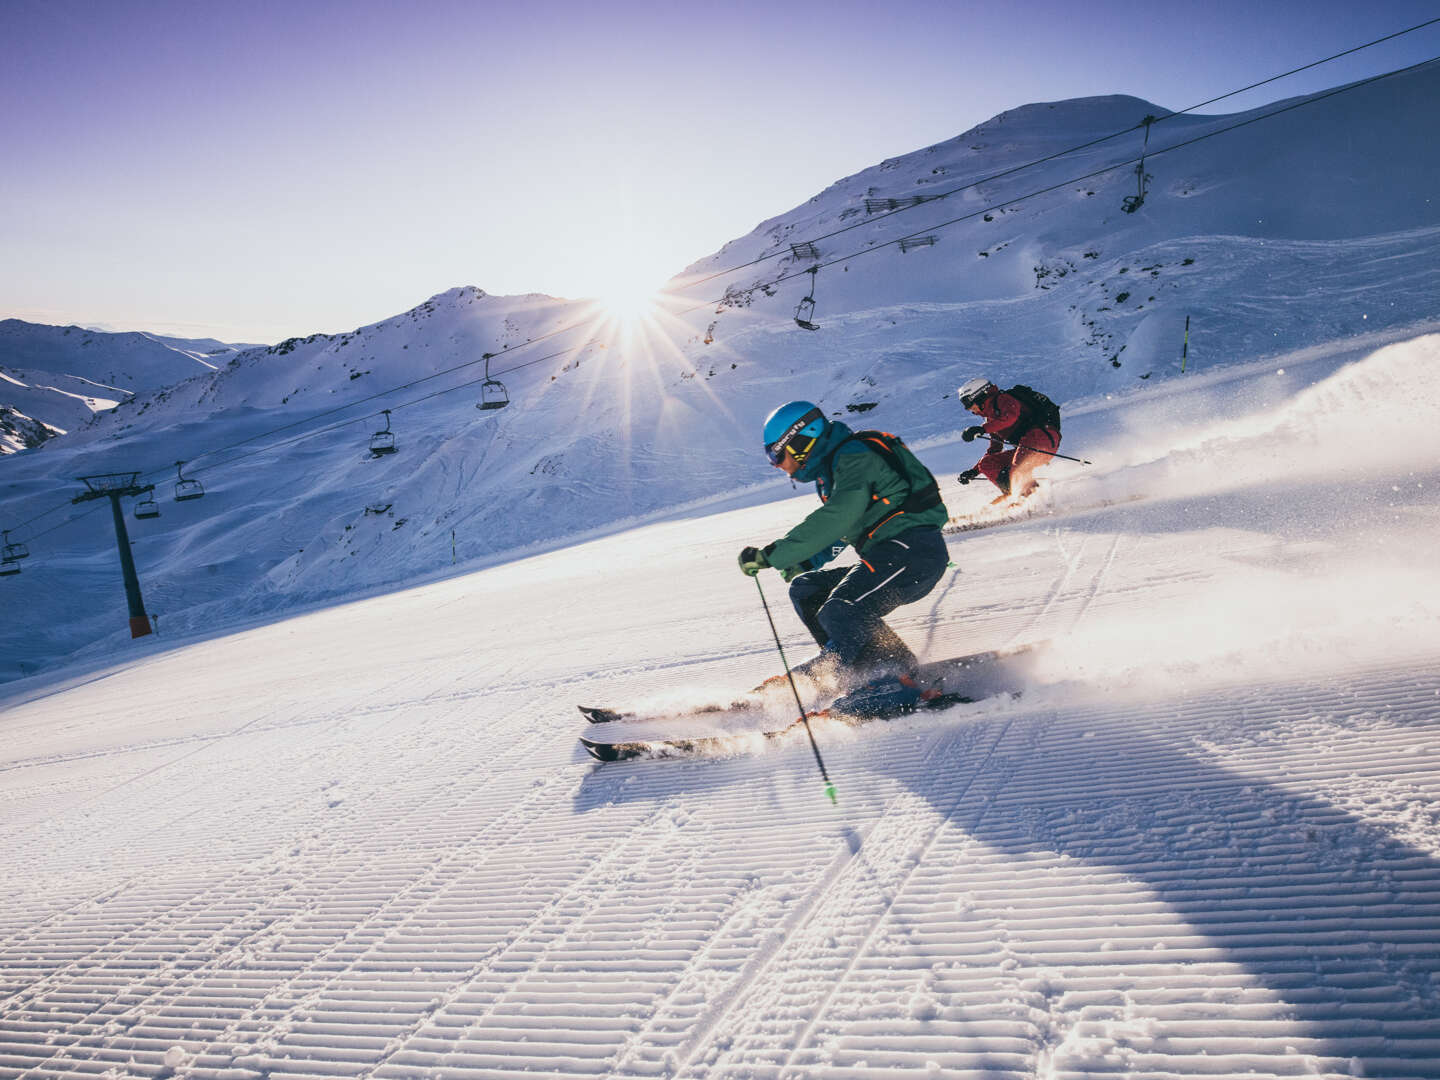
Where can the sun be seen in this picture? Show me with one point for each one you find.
(629, 300)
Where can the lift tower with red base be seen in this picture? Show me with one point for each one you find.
(116, 486)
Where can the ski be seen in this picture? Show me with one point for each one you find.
(597, 715)
(657, 746)
(600, 716)
(956, 681)
(991, 517)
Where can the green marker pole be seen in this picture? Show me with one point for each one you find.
(829, 787)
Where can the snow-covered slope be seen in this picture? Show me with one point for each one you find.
(58, 377)
(1203, 842)
(608, 427)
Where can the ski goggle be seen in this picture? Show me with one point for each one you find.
(775, 451)
(978, 395)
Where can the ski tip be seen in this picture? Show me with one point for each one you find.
(599, 716)
(607, 752)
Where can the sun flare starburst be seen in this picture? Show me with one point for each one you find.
(628, 302)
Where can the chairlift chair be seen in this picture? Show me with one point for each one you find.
(14, 552)
(383, 442)
(805, 310)
(492, 395)
(146, 507)
(492, 391)
(186, 489)
(1131, 203)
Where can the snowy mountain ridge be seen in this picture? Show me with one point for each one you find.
(55, 379)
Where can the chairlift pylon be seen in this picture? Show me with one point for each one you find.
(492, 391)
(13, 552)
(186, 490)
(383, 442)
(805, 310)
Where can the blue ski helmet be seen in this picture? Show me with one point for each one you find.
(794, 426)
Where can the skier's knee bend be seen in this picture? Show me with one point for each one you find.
(807, 590)
(844, 629)
(996, 467)
(807, 597)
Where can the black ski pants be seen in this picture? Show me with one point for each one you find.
(845, 607)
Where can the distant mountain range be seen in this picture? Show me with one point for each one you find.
(54, 379)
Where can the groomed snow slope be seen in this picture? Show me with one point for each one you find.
(1204, 842)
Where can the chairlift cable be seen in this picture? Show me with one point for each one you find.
(293, 440)
(300, 438)
(925, 200)
(1071, 180)
(395, 389)
(1307, 67)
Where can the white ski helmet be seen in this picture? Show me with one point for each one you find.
(977, 388)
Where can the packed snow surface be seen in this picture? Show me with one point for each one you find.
(1203, 841)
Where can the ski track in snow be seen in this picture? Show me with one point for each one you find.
(404, 869)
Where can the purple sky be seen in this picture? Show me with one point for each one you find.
(252, 170)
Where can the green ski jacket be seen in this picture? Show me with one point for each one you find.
(864, 497)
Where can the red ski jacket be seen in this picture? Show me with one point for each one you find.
(1002, 413)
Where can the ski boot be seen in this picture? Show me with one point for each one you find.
(894, 694)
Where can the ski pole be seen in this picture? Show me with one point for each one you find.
(1037, 450)
(829, 787)
(1052, 453)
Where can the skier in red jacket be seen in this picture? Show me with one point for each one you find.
(1026, 419)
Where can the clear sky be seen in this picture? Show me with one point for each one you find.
(254, 169)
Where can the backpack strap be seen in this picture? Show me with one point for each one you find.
(917, 498)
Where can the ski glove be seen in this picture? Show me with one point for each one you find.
(968, 475)
(970, 434)
(752, 561)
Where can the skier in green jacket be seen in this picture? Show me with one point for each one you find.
(877, 498)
